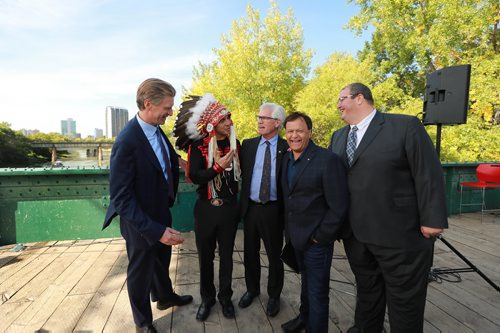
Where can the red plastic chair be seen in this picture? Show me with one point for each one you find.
(488, 176)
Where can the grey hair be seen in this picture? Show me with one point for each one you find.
(278, 111)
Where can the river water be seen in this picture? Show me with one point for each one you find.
(78, 158)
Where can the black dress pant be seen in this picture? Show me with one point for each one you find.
(263, 222)
(215, 226)
(147, 274)
(393, 276)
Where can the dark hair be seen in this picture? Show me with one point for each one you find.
(360, 89)
(296, 115)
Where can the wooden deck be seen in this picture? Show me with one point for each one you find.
(79, 286)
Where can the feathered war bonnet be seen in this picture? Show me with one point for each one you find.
(196, 120)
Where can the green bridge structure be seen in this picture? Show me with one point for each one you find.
(93, 148)
(40, 204)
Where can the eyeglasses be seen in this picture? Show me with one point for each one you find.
(262, 118)
(341, 99)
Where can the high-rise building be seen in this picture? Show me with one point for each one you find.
(116, 118)
(68, 127)
(98, 133)
(28, 132)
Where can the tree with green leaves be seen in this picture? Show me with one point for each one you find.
(259, 61)
(15, 149)
(414, 38)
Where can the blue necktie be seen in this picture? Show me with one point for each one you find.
(265, 182)
(168, 168)
(352, 139)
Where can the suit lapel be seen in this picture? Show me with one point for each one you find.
(306, 158)
(370, 134)
(339, 146)
(280, 153)
(254, 144)
(145, 145)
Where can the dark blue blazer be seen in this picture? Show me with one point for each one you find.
(137, 186)
(316, 202)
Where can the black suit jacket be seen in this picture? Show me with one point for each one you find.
(316, 202)
(396, 182)
(137, 186)
(247, 160)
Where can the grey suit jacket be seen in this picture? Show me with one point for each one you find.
(396, 182)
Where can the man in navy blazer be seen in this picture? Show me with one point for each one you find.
(262, 206)
(143, 182)
(397, 207)
(316, 202)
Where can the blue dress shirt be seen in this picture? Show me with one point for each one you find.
(257, 169)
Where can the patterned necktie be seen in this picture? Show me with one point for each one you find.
(168, 168)
(352, 139)
(265, 182)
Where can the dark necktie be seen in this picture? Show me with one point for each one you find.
(265, 182)
(168, 168)
(352, 139)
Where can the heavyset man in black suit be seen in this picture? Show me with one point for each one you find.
(316, 203)
(261, 205)
(143, 182)
(397, 207)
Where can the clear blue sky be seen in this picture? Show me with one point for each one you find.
(72, 58)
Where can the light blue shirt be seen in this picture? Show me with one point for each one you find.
(150, 132)
(257, 169)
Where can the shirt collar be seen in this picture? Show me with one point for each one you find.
(272, 140)
(366, 120)
(148, 129)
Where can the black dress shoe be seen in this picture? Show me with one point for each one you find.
(204, 310)
(145, 329)
(273, 307)
(294, 325)
(227, 308)
(354, 329)
(246, 299)
(176, 300)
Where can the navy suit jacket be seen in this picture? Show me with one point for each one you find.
(396, 182)
(316, 202)
(247, 159)
(137, 185)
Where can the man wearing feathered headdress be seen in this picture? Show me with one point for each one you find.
(204, 128)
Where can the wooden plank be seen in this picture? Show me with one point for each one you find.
(23, 276)
(37, 313)
(468, 316)
(11, 309)
(67, 313)
(25, 258)
(93, 278)
(98, 311)
(440, 321)
(120, 319)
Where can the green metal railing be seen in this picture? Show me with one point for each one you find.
(60, 204)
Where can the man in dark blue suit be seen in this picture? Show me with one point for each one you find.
(316, 202)
(143, 183)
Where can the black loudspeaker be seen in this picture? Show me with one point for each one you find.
(447, 96)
